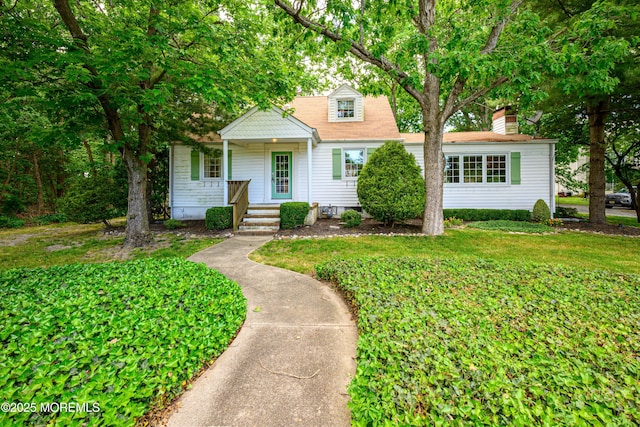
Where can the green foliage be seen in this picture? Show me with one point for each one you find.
(351, 218)
(452, 221)
(541, 211)
(126, 336)
(553, 222)
(390, 186)
(491, 343)
(50, 218)
(565, 212)
(513, 226)
(172, 224)
(488, 214)
(12, 204)
(10, 222)
(90, 200)
(292, 214)
(219, 218)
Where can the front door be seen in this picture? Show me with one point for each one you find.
(281, 175)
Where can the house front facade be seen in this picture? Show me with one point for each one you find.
(316, 153)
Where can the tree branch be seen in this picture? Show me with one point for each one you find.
(356, 49)
(70, 21)
(474, 96)
(494, 35)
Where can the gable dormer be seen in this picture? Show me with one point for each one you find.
(346, 105)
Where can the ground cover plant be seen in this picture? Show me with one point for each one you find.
(473, 342)
(512, 226)
(580, 250)
(125, 336)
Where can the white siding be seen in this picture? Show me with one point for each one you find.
(534, 165)
(191, 199)
(346, 92)
(260, 124)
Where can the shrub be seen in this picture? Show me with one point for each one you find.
(566, 212)
(452, 221)
(488, 214)
(50, 218)
(390, 186)
(10, 222)
(292, 214)
(12, 204)
(219, 218)
(514, 226)
(553, 222)
(541, 211)
(172, 224)
(93, 199)
(351, 218)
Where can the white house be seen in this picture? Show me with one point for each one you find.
(316, 153)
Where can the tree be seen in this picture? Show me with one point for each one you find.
(140, 65)
(595, 55)
(444, 54)
(390, 186)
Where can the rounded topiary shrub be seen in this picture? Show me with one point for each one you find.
(351, 218)
(541, 211)
(390, 186)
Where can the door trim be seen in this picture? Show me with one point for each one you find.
(289, 194)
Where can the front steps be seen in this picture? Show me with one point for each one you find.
(260, 219)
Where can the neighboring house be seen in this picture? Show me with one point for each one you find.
(316, 154)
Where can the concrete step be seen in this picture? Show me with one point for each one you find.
(256, 232)
(269, 224)
(262, 216)
(264, 210)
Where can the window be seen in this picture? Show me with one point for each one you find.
(353, 162)
(496, 169)
(472, 169)
(452, 169)
(475, 169)
(346, 109)
(212, 166)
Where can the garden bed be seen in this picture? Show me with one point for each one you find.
(471, 342)
(121, 338)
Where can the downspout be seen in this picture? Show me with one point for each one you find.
(552, 178)
(309, 172)
(171, 181)
(225, 174)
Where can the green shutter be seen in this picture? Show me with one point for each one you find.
(370, 151)
(515, 168)
(337, 163)
(195, 165)
(229, 174)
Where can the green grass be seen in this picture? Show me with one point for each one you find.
(580, 250)
(512, 226)
(126, 337)
(616, 220)
(60, 244)
(470, 342)
(573, 200)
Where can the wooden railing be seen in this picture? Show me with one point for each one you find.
(239, 199)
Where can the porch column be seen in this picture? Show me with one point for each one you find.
(225, 175)
(309, 171)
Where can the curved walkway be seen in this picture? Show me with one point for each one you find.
(292, 360)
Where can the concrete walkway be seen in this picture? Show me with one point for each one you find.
(292, 360)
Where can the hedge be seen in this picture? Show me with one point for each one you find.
(219, 218)
(292, 214)
(351, 218)
(488, 214)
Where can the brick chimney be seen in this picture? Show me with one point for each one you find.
(505, 121)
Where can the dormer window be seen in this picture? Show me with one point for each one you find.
(346, 108)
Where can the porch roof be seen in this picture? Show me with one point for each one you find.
(272, 125)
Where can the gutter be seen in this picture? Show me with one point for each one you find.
(552, 178)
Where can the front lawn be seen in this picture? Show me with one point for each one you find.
(122, 338)
(580, 250)
(573, 200)
(473, 342)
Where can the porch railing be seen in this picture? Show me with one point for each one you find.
(239, 199)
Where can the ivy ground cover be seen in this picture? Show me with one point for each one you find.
(118, 338)
(472, 342)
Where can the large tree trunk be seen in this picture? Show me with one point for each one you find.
(433, 221)
(137, 231)
(38, 178)
(597, 111)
